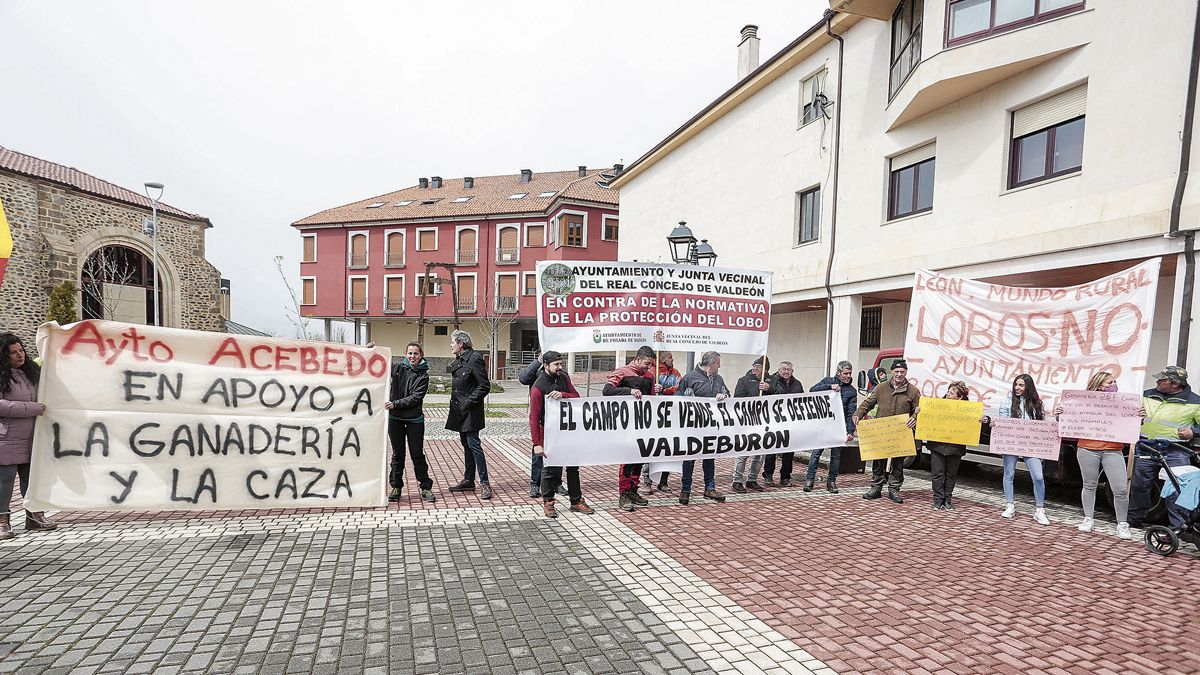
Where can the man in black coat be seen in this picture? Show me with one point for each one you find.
(467, 392)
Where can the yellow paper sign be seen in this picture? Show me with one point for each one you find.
(949, 421)
(885, 437)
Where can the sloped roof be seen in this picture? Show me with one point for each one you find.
(491, 195)
(28, 165)
(239, 329)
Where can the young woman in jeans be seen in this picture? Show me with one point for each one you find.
(1095, 456)
(1024, 404)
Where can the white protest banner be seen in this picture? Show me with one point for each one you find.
(624, 430)
(147, 418)
(1025, 438)
(1101, 416)
(986, 334)
(598, 306)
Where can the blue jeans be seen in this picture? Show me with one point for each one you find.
(1035, 471)
(814, 460)
(708, 467)
(473, 456)
(1145, 470)
(535, 469)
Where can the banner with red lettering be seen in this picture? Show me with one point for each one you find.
(605, 306)
(986, 334)
(146, 418)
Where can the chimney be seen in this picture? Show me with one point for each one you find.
(748, 51)
(469, 183)
(423, 182)
(437, 181)
(618, 168)
(582, 171)
(526, 175)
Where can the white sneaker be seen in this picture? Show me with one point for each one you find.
(1123, 531)
(1088, 524)
(1040, 516)
(1009, 511)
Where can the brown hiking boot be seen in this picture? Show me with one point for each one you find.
(548, 509)
(625, 504)
(486, 491)
(6, 531)
(37, 520)
(582, 507)
(715, 496)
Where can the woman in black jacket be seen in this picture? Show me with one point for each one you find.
(406, 420)
(944, 458)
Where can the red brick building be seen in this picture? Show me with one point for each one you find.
(365, 262)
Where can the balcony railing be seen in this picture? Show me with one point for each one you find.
(358, 260)
(394, 260)
(393, 305)
(356, 304)
(508, 256)
(466, 304)
(466, 256)
(506, 305)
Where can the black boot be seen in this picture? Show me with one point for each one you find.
(873, 493)
(831, 487)
(808, 486)
(894, 495)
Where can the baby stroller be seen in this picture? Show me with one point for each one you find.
(1182, 481)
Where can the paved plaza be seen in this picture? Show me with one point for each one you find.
(781, 582)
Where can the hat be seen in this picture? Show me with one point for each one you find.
(551, 356)
(759, 361)
(1173, 373)
(899, 363)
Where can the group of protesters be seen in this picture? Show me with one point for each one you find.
(1170, 405)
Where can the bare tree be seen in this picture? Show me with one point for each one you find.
(296, 317)
(497, 313)
(107, 267)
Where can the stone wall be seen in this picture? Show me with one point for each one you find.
(55, 228)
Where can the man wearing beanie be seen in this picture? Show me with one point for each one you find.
(894, 397)
(553, 382)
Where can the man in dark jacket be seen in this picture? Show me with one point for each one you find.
(468, 390)
(703, 382)
(406, 420)
(553, 382)
(785, 383)
(756, 382)
(897, 396)
(634, 379)
(839, 382)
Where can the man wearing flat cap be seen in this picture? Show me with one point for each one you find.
(895, 397)
(1173, 414)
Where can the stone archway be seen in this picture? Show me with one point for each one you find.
(133, 282)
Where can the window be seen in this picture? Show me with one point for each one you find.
(393, 298)
(428, 202)
(975, 19)
(906, 42)
(506, 293)
(530, 283)
(393, 255)
(507, 250)
(1047, 138)
(610, 229)
(910, 188)
(467, 250)
(405, 202)
(870, 328)
(808, 215)
(811, 89)
(376, 205)
(117, 283)
(517, 195)
(535, 234)
(427, 285)
(310, 248)
(465, 284)
(441, 330)
(358, 249)
(357, 302)
(549, 193)
(571, 229)
(427, 240)
(459, 200)
(308, 292)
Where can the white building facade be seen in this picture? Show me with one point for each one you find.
(1027, 142)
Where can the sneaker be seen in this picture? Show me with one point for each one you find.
(937, 505)
(685, 496)
(582, 507)
(427, 495)
(394, 495)
(637, 499)
(754, 486)
(463, 486)
(785, 482)
(486, 492)
(1089, 524)
(769, 481)
(808, 486)
(534, 491)
(739, 488)
(831, 487)
(873, 493)
(625, 504)
(1009, 511)
(549, 510)
(894, 495)
(715, 496)
(1040, 516)
(948, 505)
(1123, 531)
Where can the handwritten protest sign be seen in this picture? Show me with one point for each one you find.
(621, 430)
(586, 306)
(986, 334)
(1100, 416)
(883, 437)
(1025, 438)
(949, 421)
(147, 418)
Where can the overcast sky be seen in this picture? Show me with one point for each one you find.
(256, 114)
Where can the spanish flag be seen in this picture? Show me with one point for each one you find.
(5, 242)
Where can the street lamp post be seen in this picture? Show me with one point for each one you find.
(685, 250)
(152, 230)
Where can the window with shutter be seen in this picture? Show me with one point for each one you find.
(535, 235)
(309, 292)
(467, 252)
(506, 293)
(310, 248)
(395, 249)
(426, 240)
(910, 188)
(394, 300)
(358, 294)
(507, 250)
(358, 250)
(466, 293)
(530, 283)
(1047, 138)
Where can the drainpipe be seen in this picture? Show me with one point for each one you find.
(1189, 239)
(837, 152)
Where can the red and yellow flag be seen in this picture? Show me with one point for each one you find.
(6, 243)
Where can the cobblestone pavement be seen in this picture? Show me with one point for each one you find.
(778, 582)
